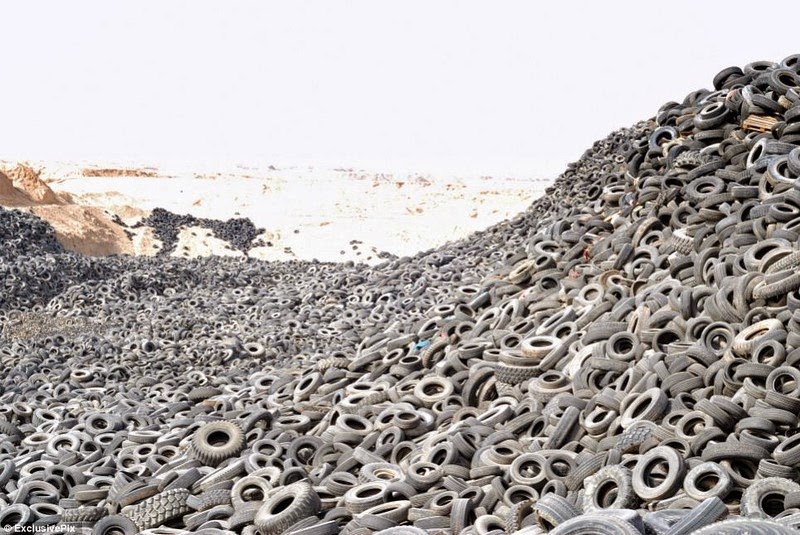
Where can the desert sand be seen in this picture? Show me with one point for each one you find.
(306, 213)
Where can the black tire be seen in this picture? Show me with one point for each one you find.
(725, 74)
(286, 507)
(217, 441)
(115, 525)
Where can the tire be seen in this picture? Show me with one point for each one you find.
(322, 528)
(788, 452)
(433, 388)
(552, 510)
(634, 436)
(287, 506)
(83, 515)
(595, 524)
(706, 513)
(213, 498)
(248, 489)
(528, 469)
(537, 347)
(115, 525)
(514, 375)
(792, 520)
(217, 441)
(185, 480)
(159, 509)
(660, 522)
(567, 423)
(672, 480)
(10, 430)
(739, 526)
(724, 75)
(244, 516)
(394, 511)
(584, 469)
(516, 514)
(462, 514)
(781, 287)
(364, 496)
(649, 405)
(19, 513)
(747, 339)
(765, 498)
(703, 472)
(725, 450)
(402, 530)
(611, 481)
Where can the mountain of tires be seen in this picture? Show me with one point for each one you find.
(622, 358)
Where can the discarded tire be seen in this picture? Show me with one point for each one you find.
(620, 358)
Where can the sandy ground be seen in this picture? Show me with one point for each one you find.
(307, 213)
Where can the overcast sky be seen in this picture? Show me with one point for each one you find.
(520, 87)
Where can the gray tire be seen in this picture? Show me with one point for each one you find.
(217, 441)
(739, 526)
(595, 524)
(701, 516)
(159, 509)
(115, 525)
(765, 498)
(286, 507)
(610, 487)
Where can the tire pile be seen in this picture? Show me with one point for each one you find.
(622, 358)
(240, 233)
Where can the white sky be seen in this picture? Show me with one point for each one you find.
(520, 87)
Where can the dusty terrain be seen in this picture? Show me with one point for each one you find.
(306, 213)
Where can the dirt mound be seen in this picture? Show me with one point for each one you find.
(112, 172)
(27, 181)
(86, 230)
(6, 186)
